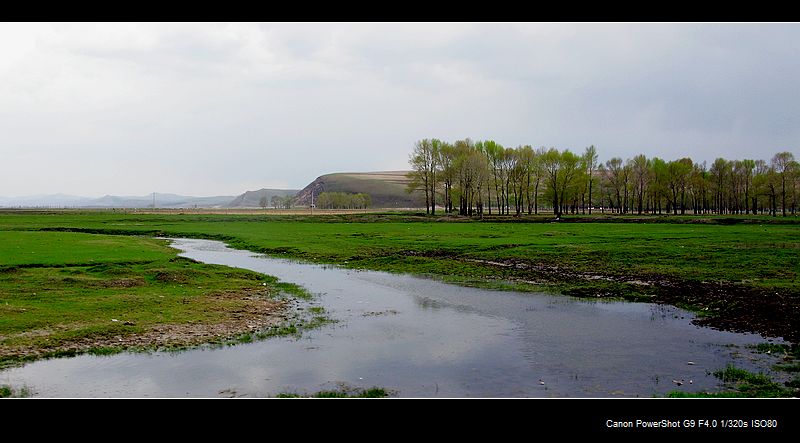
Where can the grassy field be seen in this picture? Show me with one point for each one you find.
(740, 273)
(64, 293)
(71, 249)
(765, 256)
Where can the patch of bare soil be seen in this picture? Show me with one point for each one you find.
(256, 314)
(171, 277)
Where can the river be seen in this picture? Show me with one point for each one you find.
(420, 338)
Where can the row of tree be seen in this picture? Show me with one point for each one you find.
(484, 176)
(277, 202)
(343, 200)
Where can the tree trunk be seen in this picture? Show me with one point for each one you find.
(427, 199)
(489, 196)
(433, 194)
(783, 194)
(556, 205)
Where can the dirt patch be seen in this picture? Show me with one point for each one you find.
(256, 314)
(171, 277)
(723, 305)
(738, 308)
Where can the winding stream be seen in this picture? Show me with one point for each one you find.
(420, 338)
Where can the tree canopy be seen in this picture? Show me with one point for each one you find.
(484, 176)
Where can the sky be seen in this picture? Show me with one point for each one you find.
(221, 108)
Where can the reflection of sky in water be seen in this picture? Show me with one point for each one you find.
(427, 339)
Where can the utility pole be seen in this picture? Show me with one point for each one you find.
(154, 201)
(312, 202)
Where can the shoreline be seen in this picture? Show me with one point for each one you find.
(257, 315)
(720, 305)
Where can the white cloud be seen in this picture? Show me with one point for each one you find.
(128, 108)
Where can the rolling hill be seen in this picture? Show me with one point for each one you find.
(386, 188)
(251, 199)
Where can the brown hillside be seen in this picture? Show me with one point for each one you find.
(386, 188)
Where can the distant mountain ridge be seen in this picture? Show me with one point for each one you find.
(387, 189)
(114, 201)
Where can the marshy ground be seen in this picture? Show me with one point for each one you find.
(73, 281)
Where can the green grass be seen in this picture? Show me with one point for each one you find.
(7, 391)
(618, 254)
(745, 384)
(727, 394)
(70, 249)
(88, 291)
(765, 255)
(789, 352)
(750, 384)
(293, 290)
(341, 393)
(733, 374)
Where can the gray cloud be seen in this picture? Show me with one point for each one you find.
(205, 109)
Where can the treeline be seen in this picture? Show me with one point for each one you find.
(486, 177)
(278, 202)
(343, 200)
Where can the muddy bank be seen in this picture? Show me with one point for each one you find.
(255, 314)
(721, 305)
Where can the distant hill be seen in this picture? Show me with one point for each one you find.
(252, 199)
(55, 200)
(386, 188)
(162, 201)
(114, 201)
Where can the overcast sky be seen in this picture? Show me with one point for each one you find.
(218, 109)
